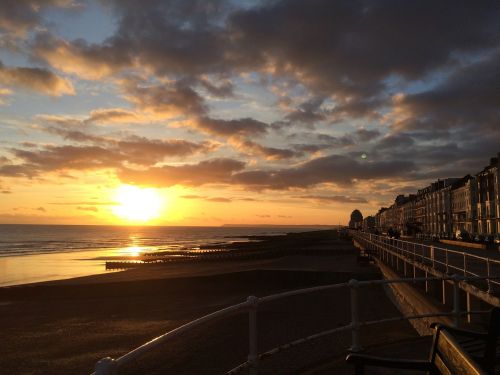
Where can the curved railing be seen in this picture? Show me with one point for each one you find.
(109, 366)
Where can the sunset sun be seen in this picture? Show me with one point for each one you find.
(137, 204)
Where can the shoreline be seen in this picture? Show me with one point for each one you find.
(94, 263)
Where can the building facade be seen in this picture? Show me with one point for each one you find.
(488, 200)
(448, 206)
(464, 206)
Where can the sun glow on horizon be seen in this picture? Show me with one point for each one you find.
(137, 204)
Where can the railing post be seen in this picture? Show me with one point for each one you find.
(456, 300)
(446, 261)
(465, 264)
(353, 285)
(106, 366)
(253, 354)
(431, 251)
(488, 273)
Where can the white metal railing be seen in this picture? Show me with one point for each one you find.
(109, 366)
(447, 261)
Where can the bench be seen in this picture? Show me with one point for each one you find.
(483, 347)
(446, 357)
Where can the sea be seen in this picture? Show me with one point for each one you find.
(35, 253)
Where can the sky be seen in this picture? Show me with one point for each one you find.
(202, 112)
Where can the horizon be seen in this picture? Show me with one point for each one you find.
(212, 113)
(186, 226)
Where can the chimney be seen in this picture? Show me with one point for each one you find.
(493, 162)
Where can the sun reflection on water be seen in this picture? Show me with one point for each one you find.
(133, 251)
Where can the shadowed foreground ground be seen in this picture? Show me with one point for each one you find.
(64, 327)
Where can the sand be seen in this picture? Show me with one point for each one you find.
(64, 327)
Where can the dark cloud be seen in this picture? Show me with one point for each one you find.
(169, 100)
(270, 153)
(52, 158)
(180, 37)
(468, 99)
(222, 90)
(397, 140)
(351, 46)
(308, 112)
(35, 79)
(336, 169)
(314, 142)
(358, 107)
(132, 148)
(145, 151)
(330, 49)
(205, 172)
(19, 16)
(342, 60)
(18, 170)
(366, 135)
(109, 154)
(333, 199)
(225, 128)
(89, 61)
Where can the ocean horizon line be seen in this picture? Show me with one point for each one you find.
(182, 226)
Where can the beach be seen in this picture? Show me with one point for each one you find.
(63, 327)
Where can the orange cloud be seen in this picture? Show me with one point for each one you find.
(35, 79)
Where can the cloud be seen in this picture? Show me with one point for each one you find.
(17, 17)
(333, 199)
(112, 115)
(169, 100)
(35, 79)
(219, 199)
(208, 199)
(110, 154)
(84, 203)
(225, 128)
(366, 135)
(332, 43)
(270, 153)
(308, 112)
(175, 37)
(145, 151)
(52, 158)
(88, 61)
(4, 190)
(223, 90)
(348, 47)
(467, 99)
(4, 93)
(205, 172)
(336, 169)
(87, 208)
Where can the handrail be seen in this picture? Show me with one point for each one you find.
(109, 366)
(450, 257)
